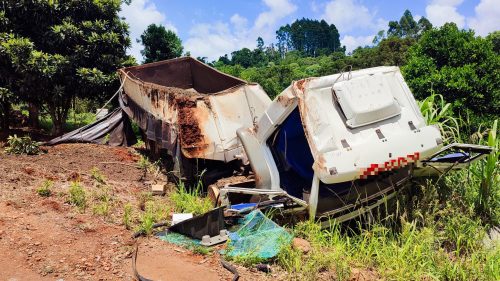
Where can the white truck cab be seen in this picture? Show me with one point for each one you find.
(341, 144)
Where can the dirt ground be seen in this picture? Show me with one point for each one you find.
(45, 238)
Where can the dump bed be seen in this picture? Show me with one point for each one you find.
(186, 104)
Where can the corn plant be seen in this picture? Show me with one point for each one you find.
(488, 175)
(437, 111)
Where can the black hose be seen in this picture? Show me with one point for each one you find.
(134, 256)
(229, 267)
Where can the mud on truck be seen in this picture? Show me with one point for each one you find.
(334, 147)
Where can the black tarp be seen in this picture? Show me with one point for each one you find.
(113, 129)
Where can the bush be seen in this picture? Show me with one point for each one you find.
(77, 195)
(22, 145)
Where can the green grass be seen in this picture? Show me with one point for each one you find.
(127, 215)
(102, 201)
(190, 200)
(155, 211)
(74, 121)
(77, 196)
(413, 253)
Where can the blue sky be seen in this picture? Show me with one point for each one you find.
(214, 28)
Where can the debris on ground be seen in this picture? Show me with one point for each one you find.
(257, 237)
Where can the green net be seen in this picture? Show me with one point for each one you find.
(258, 237)
(179, 239)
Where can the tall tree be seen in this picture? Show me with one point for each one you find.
(310, 37)
(160, 44)
(73, 50)
(408, 27)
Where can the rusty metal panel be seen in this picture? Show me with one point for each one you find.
(206, 122)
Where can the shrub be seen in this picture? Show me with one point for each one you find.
(22, 145)
(77, 195)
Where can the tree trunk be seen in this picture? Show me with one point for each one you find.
(59, 114)
(34, 114)
(5, 116)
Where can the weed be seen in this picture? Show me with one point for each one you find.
(144, 197)
(97, 175)
(140, 144)
(104, 203)
(77, 196)
(154, 212)
(45, 190)
(22, 145)
(202, 250)
(101, 208)
(106, 139)
(190, 201)
(127, 215)
(147, 219)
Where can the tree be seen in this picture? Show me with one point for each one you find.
(408, 27)
(458, 65)
(260, 43)
(242, 57)
(160, 44)
(310, 37)
(73, 49)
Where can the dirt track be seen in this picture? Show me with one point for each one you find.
(48, 239)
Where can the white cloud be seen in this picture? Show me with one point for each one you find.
(487, 17)
(139, 14)
(352, 42)
(278, 9)
(239, 22)
(213, 40)
(349, 15)
(439, 12)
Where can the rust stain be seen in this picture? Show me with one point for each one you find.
(284, 100)
(301, 84)
(192, 137)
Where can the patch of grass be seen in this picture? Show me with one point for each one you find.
(77, 196)
(127, 215)
(147, 219)
(155, 211)
(97, 175)
(409, 254)
(45, 190)
(22, 145)
(201, 250)
(143, 198)
(190, 201)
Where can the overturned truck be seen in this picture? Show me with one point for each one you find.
(334, 146)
